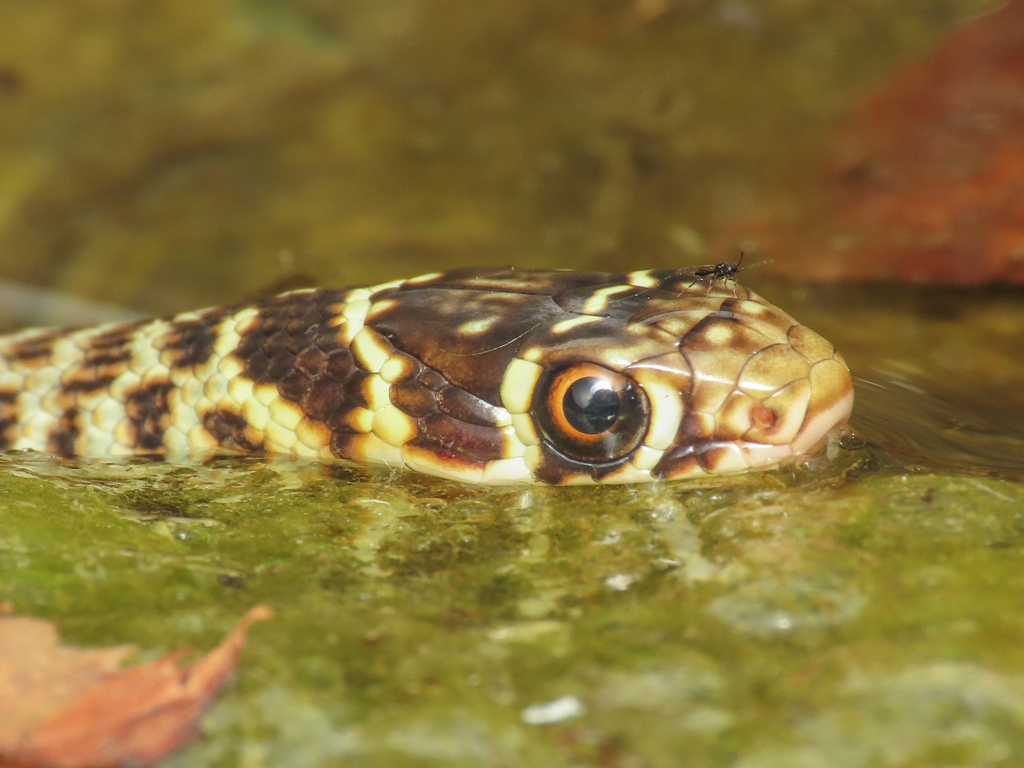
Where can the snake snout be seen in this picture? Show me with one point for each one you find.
(830, 405)
(798, 416)
(783, 403)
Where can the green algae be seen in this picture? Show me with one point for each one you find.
(753, 621)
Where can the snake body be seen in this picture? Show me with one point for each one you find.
(479, 375)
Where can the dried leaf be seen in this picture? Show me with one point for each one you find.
(73, 708)
(38, 675)
(925, 180)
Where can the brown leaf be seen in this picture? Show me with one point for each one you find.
(38, 675)
(924, 182)
(72, 708)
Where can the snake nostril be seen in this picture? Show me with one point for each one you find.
(763, 417)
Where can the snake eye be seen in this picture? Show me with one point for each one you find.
(590, 413)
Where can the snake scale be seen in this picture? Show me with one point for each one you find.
(478, 375)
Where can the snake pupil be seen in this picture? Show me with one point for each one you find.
(591, 405)
(589, 413)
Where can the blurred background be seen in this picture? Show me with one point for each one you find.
(159, 155)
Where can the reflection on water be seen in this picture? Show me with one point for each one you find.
(922, 423)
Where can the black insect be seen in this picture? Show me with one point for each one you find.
(723, 270)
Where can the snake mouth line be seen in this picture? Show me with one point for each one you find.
(818, 426)
(710, 455)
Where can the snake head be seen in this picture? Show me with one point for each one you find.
(659, 377)
(764, 390)
(580, 377)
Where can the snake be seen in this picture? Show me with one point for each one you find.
(479, 375)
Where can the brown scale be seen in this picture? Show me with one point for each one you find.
(709, 454)
(431, 379)
(555, 467)
(189, 343)
(105, 357)
(413, 398)
(293, 346)
(507, 280)
(680, 459)
(346, 445)
(8, 417)
(351, 398)
(426, 324)
(148, 411)
(696, 339)
(287, 326)
(478, 443)
(467, 408)
(232, 431)
(65, 433)
(327, 394)
(35, 351)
